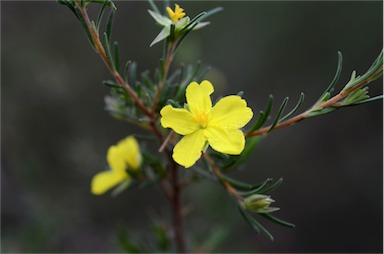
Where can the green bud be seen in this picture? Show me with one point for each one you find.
(259, 203)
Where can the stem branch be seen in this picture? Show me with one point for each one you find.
(217, 173)
(329, 103)
(176, 210)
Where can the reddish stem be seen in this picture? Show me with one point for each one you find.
(174, 196)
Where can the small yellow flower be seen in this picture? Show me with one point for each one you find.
(202, 124)
(177, 14)
(125, 154)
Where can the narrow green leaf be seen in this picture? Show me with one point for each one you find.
(103, 2)
(357, 95)
(126, 69)
(212, 12)
(255, 224)
(324, 97)
(100, 16)
(111, 18)
(175, 75)
(70, 5)
(201, 75)
(108, 51)
(175, 104)
(121, 187)
(301, 99)
(82, 3)
(263, 116)
(126, 242)
(370, 75)
(201, 16)
(277, 220)
(85, 26)
(191, 73)
(250, 146)
(352, 81)
(182, 71)
(257, 189)
(194, 21)
(162, 238)
(272, 186)
(281, 110)
(261, 227)
(116, 55)
(183, 36)
(246, 217)
(112, 84)
(146, 79)
(166, 4)
(172, 33)
(379, 97)
(153, 6)
(337, 75)
(244, 186)
(154, 162)
(319, 112)
(132, 73)
(161, 69)
(216, 237)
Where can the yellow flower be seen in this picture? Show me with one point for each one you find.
(177, 14)
(125, 154)
(202, 124)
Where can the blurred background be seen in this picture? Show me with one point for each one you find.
(55, 131)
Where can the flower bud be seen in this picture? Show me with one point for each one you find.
(259, 203)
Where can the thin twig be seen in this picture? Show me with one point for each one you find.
(166, 141)
(167, 64)
(115, 74)
(177, 211)
(226, 185)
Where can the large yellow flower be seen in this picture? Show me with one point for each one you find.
(202, 124)
(125, 154)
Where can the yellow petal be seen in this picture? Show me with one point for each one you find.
(225, 141)
(180, 120)
(231, 112)
(189, 148)
(177, 14)
(104, 181)
(130, 152)
(126, 152)
(115, 159)
(198, 97)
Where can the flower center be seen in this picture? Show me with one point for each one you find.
(202, 118)
(177, 14)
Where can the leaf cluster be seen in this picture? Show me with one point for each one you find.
(120, 104)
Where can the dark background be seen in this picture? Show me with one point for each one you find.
(55, 132)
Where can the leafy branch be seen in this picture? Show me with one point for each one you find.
(353, 93)
(250, 197)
